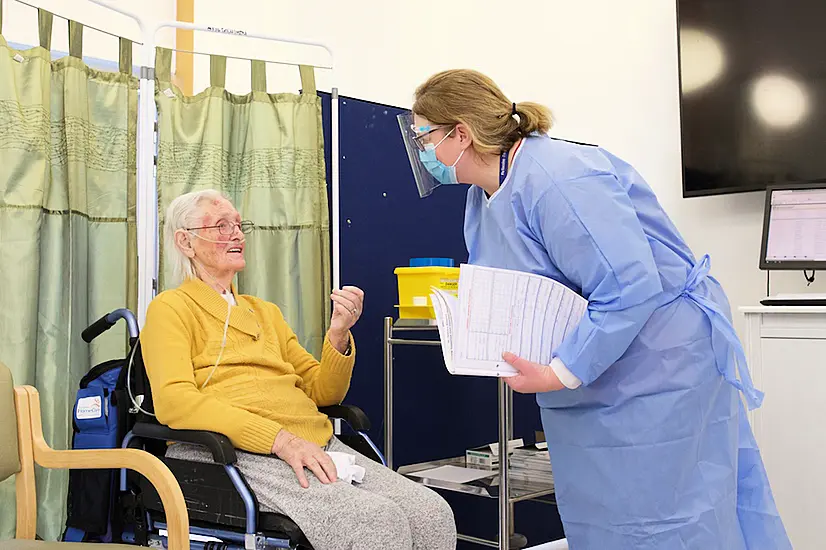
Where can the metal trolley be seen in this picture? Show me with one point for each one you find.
(507, 486)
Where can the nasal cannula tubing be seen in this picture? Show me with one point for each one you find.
(223, 338)
(229, 304)
(226, 323)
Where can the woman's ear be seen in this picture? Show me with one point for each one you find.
(462, 132)
(184, 242)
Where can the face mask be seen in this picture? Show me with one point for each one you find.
(444, 174)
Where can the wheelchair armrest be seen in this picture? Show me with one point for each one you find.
(351, 414)
(219, 445)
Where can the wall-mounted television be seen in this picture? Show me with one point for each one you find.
(753, 93)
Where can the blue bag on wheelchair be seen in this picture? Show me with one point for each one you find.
(99, 419)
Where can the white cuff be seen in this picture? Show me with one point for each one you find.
(568, 379)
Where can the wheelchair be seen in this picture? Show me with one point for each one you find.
(223, 510)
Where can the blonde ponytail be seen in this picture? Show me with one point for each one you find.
(533, 117)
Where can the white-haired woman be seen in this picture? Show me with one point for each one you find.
(229, 363)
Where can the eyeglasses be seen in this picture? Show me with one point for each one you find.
(228, 228)
(421, 132)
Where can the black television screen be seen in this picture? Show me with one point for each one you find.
(753, 93)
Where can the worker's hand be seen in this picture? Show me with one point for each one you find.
(532, 377)
(348, 303)
(300, 454)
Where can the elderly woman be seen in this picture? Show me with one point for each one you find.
(229, 363)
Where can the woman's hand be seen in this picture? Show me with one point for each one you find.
(300, 454)
(532, 377)
(348, 303)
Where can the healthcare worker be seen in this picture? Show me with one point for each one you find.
(641, 405)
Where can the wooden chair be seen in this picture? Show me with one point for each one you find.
(22, 445)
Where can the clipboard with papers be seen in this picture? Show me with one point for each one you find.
(498, 311)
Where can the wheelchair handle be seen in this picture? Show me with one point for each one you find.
(108, 321)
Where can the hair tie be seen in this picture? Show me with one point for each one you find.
(513, 112)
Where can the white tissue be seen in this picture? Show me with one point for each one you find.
(346, 467)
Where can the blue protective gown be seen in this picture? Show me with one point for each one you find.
(654, 450)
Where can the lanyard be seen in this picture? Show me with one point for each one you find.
(503, 167)
(503, 164)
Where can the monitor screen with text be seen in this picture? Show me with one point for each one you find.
(797, 226)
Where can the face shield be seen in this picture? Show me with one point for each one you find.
(413, 137)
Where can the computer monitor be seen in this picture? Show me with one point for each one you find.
(794, 227)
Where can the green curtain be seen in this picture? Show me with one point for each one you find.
(266, 153)
(67, 233)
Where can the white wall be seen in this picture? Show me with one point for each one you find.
(608, 70)
(20, 24)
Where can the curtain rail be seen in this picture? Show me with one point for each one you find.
(34, 5)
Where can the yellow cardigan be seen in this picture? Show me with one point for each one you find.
(265, 381)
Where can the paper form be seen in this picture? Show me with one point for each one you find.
(501, 310)
(446, 307)
(455, 474)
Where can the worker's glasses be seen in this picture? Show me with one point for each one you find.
(421, 132)
(228, 228)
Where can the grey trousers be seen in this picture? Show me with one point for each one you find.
(386, 512)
